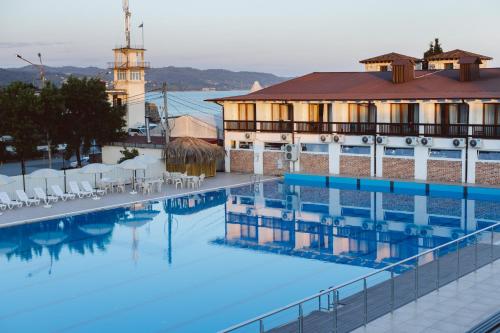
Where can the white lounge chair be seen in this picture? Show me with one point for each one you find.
(3, 207)
(75, 189)
(10, 204)
(40, 194)
(23, 197)
(88, 188)
(58, 192)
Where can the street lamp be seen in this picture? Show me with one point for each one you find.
(39, 66)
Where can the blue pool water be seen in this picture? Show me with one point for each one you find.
(207, 261)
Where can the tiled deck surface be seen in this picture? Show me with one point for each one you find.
(456, 307)
(17, 216)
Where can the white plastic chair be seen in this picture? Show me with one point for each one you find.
(10, 204)
(120, 185)
(23, 197)
(201, 180)
(88, 188)
(193, 182)
(75, 189)
(58, 192)
(40, 194)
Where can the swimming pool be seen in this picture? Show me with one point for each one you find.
(203, 262)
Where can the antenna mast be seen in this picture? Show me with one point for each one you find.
(127, 22)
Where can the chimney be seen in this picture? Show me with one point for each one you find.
(403, 70)
(469, 68)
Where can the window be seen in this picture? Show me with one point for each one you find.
(358, 150)
(245, 145)
(246, 112)
(384, 68)
(281, 112)
(122, 75)
(317, 113)
(314, 148)
(448, 65)
(404, 113)
(445, 153)
(488, 155)
(135, 75)
(362, 113)
(451, 113)
(491, 114)
(389, 151)
(273, 146)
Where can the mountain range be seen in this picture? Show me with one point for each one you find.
(177, 78)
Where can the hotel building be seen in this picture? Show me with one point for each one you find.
(438, 125)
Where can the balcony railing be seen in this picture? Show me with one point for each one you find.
(128, 64)
(240, 125)
(400, 129)
(387, 129)
(275, 126)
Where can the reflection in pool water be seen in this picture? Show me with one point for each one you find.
(206, 261)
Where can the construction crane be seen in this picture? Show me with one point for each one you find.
(127, 21)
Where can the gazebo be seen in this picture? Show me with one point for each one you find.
(193, 155)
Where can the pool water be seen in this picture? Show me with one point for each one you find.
(204, 262)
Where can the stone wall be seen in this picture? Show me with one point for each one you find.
(444, 171)
(398, 168)
(241, 161)
(272, 164)
(314, 163)
(488, 173)
(355, 166)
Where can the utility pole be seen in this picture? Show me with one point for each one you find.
(165, 113)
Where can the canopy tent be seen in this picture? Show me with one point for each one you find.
(194, 156)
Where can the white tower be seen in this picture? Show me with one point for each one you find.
(129, 76)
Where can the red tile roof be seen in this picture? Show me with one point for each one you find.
(456, 54)
(378, 86)
(389, 57)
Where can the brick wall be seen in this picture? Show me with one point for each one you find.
(241, 161)
(355, 165)
(398, 168)
(271, 159)
(444, 171)
(314, 163)
(488, 173)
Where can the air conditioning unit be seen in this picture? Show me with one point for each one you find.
(250, 212)
(475, 143)
(339, 222)
(425, 231)
(367, 225)
(325, 138)
(411, 230)
(249, 136)
(326, 220)
(338, 138)
(458, 142)
(292, 202)
(411, 141)
(291, 152)
(381, 140)
(382, 227)
(286, 215)
(367, 139)
(426, 141)
(286, 137)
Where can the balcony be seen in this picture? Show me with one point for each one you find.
(128, 64)
(276, 126)
(398, 129)
(486, 131)
(312, 127)
(446, 130)
(240, 125)
(355, 128)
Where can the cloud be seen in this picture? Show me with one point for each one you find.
(15, 45)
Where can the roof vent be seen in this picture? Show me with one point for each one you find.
(469, 68)
(403, 70)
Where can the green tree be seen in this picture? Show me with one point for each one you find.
(437, 47)
(128, 154)
(49, 117)
(19, 107)
(89, 116)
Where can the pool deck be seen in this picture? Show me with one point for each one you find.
(111, 200)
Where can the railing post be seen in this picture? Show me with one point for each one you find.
(416, 280)
(335, 304)
(475, 252)
(319, 301)
(438, 270)
(491, 247)
(365, 302)
(458, 259)
(261, 326)
(392, 291)
(301, 319)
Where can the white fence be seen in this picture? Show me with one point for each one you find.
(154, 170)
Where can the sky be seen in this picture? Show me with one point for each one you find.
(284, 37)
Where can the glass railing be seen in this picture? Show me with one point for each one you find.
(353, 304)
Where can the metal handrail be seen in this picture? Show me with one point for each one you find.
(364, 277)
